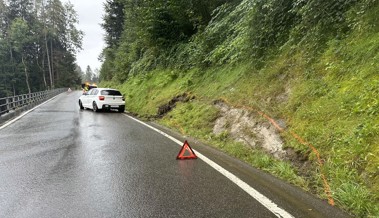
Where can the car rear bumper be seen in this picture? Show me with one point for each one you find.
(112, 106)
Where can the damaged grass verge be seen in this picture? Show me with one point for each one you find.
(166, 108)
(144, 94)
(197, 118)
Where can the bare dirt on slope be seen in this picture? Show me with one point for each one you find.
(245, 127)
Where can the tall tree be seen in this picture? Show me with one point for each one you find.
(20, 9)
(20, 37)
(95, 77)
(3, 19)
(88, 74)
(20, 19)
(72, 36)
(113, 21)
(144, 30)
(4, 50)
(55, 28)
(36, 37)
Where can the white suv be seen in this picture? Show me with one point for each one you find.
(102, 99)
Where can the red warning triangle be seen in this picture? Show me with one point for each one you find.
(182, 153)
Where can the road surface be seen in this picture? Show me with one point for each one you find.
(59, 161)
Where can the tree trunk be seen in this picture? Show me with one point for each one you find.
(48, 62)
(42, 68)
(13, 69)
(52, 62)
(47, 47)
(26, 74)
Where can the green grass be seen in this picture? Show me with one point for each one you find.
(196, 118)
(330, 101)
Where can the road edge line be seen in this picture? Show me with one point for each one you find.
(266, 202)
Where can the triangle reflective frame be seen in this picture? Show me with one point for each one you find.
(186, 147)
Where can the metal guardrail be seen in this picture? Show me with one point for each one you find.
(8, 104)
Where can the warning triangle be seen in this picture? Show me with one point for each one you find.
(190, 154)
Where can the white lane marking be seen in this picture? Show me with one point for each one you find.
(25, 113)
(275, 209)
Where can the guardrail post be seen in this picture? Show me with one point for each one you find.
(22, 101)
(14, 103)
(7, 104)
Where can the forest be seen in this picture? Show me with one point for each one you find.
(38, 43)
(312, 65)
(144, 35)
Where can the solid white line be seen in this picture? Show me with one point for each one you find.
(25, 113)
(275, 209)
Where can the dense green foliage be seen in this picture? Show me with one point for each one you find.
(152, 30)
(38, 42)
(310, 63)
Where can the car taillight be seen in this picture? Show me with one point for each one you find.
(101, 98)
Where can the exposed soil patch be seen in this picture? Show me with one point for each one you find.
(301, 161)
(248, 128)
(164, 109)
(244, 127)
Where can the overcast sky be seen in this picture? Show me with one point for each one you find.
(90, 14)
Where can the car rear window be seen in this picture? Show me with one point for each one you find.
(110, 92)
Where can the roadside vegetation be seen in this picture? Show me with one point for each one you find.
(38, 44)
(313, 64)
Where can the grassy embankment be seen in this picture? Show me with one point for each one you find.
(330, 100)
(337, 114)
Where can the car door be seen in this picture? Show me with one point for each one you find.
(87, 99)
(93, 96)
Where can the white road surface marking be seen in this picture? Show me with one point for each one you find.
(266, 202)
(24, 113)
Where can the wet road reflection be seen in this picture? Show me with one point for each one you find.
(59, 161)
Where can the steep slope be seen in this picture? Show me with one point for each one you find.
(305, 71)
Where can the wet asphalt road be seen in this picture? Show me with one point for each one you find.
(58, 161)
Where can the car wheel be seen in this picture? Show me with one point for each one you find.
(121, 109)
(81, 105)
(94, 107)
